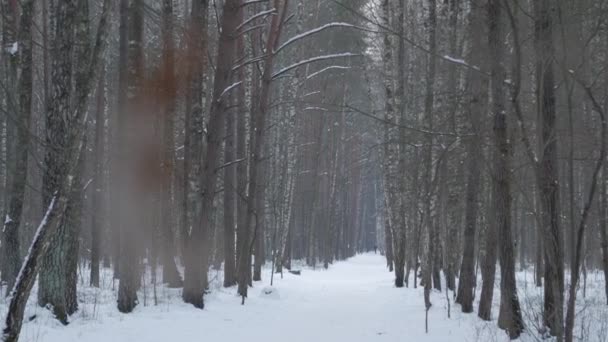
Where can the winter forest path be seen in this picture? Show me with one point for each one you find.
(353, 301)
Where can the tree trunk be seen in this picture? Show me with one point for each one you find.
(476, 107)
(53, 281)
(62, 187)
(171, 275)
(604, 225)
(229, 196)
(243, 233)
(509, 317)
(258, 123)
(97, 223)
(547, 172)
(132, 134)
(196, 261)
(16, 190)
(197, 221)
(488, 268)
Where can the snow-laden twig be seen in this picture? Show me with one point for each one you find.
(41, 227)
(310, 33)
(237, 161)
(252, 28)
(321, 109)
(86, 186)
(229, 88)
(459, 61)
(249, 61)
(252, 2)
(312, 60)
(255, 16)
(312, 93)
(326, 69)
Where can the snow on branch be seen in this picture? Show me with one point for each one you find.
(252, 2)
(255, 16)
(326, 69)
(37, 236)
(310, 33)
(312, 60)
(232, 86)
(312, 93)
(321, 109)
(459, 61)
(249, 61)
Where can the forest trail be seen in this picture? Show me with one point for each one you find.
(353, 301)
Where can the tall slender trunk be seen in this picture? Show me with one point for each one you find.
(243, 233)
(258, 121)
(97, 223)
(509, 317)
(603, 210)
(131, 136)
(53, 277)
(196, 260)
(391, 153)
(229, 197)
(170, 273)
(196, 221)
(16, 190)
(547, 172)
(431, 268)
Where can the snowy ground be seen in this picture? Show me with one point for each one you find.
(353, 301)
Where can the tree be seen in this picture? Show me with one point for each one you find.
(58, 203)
(476, 106)
(196, 262)
(12, 222)
(509, 317)
(547, 170)
(54, 287)
(171, 275)
(131, 159)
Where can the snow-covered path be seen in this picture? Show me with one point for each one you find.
(352, 301)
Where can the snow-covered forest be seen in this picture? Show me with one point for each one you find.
(331, 170)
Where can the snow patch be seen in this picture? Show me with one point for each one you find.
(270, 292)
(13, 49)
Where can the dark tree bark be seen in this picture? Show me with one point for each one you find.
(229, 197)
(258, 123)
(97, 223)
(194, 279)
(391, 152)
(604, 225)
(16, 190)
(197, 42)
(243, 257)
(431, 269)
(547, 170)
(509, 317)
(196, 262)
(488, 268)
(171, 275)
(53, 282)
(580, 232)
(131, 135)
(477, 90)
(58, 201)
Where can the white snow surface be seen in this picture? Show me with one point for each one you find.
(354, 301)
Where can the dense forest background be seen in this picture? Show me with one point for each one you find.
(171, 137)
